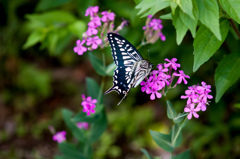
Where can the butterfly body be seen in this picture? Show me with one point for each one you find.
(131, 67)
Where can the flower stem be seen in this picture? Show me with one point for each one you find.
(234, 28)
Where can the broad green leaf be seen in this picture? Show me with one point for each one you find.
(98, 127)
(206, 44)
(179, 118)
(110, 69)
(166, 16)
(97, 64)
(82, 116)
(171, 112)
(183, 155)
(51, 18)
(70, 151)
(173, 6)
(77, 133)
(176, 136)
(181, 28)
(163, 140)
(187, 7)
(36, 36)
(209, 15)
(94, 90)
(227, 73)
(146, 153)
(152, 7)
(77, 28)
(46, 4)
(232, 7)
(190, 23)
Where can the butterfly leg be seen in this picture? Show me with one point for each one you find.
(123, 98)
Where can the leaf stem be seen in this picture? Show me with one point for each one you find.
(234, 28)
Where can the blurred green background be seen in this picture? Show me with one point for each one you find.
(38, 79)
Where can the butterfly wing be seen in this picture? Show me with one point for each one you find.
(125, 55)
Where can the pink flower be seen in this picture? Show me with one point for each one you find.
(154, 92)
(60, 136)
(79, 49)
(172, 63)
(91, 10)
(91, 31)
(192, 111)
(107, 16)
(94, 41)
(88, 105)
(156, 24)
(182, 77)
(95, 22)
(83, 125)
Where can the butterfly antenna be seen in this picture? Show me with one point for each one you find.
(122, 99)
(150, 58)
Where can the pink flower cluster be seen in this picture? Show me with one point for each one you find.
(162, 78)
(83, 125)
(197, 99)
(60, 136)
(98, 27)
(153, 30)
(89, 105)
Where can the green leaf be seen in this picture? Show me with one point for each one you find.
(97, 64)
(51, 18)
(183, 155)
(98, 127)
(36, 36)
(232, 7)
(173, 6)
(182, 22)
(227, 73)
(110, 69)
(152, 7)
(181, 28)
(80, 117)
(171, 112)
(146, 153)
(187, 7)
(179, 118)
(209, 15)
(70, 151)
(166, 16)
(46, 4)
(176, 136)
(163, 140)
(206, 44)
(77, 28)
(94, 90)
(77, 133)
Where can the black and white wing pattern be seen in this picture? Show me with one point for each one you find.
(131, 67)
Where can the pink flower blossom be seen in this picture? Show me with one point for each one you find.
(94, 41)
(107, 16)
(182, 77)
(197, 96)
(89, 105)
(83, 125)
(91, 31)
(156, 24)
(95, 22)
(192, 111)
(91, 11)
(172, 63)
(60, 136)
(79, 49)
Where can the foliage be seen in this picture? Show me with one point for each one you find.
(40, 75)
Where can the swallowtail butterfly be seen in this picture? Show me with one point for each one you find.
(131, 67)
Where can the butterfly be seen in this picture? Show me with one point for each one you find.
(131, 67)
